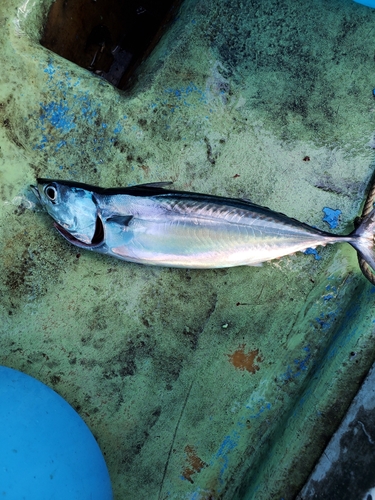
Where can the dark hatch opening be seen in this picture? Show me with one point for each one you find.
(108, 37)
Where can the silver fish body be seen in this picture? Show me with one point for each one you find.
(149, 224)
(196, 233)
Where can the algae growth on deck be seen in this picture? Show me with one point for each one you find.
(197, 384)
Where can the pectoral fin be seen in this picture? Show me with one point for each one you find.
(121, 220)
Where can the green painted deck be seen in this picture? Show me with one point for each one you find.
(197, 384)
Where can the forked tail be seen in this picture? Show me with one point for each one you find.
(364, 241)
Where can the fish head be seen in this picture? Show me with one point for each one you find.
(74, 210)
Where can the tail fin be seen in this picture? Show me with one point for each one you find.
(364, 239)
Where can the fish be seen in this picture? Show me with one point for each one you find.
(155, 225)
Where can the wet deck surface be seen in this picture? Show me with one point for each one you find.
(197, 384)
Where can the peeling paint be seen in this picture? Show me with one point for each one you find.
(262, 407)
(331, 217)
(183, 92)
(314, 252)
(229, 443)
(299, 365)
(58, 115)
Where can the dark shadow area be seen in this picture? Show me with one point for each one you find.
(109, 38)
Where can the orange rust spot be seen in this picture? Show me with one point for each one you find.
(195, 464)
(244, 361)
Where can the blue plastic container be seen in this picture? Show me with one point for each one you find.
(368, 3)
(46, 449)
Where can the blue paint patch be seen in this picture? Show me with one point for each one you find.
(229, 443)
(262, 409)
(325, 320)
(60, 145)
(198, 494)
(50, 70)
(117, 129)
(312, 251)
(42, 143)
(58, 115)
(183, 92)
(329, 296)
(299, 366)
(89, 113)
(331, 217)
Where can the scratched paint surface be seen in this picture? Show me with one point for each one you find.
(197, 384)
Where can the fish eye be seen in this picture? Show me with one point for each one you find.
(51, 192)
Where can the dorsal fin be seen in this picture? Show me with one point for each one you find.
(155, 184)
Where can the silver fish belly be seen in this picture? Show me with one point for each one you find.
(150, 224)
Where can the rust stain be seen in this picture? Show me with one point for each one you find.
(145, 168)
(194, 463)
(245, 361)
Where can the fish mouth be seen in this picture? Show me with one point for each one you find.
(35, 190)
(96, 241)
